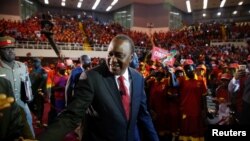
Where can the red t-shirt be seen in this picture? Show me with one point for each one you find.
(191, 91)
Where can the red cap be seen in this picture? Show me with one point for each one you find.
(61, 66)
(224, 66)
(234, 65)
(226, 76)
(153, 67)
(188, 62)
(179, 68)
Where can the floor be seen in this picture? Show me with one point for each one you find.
(38, 129)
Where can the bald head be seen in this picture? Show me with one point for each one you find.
(85, 61)
(123, 37)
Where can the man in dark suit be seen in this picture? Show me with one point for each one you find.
(12, 117)
(245, 114)
(99, 98)
(85, 61)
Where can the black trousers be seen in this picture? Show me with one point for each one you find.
(245, 115)
(37, 106)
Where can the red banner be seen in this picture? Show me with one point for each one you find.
(158, 53)
(164, 56)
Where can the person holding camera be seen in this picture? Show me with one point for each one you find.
(240, 92)
(245, 115)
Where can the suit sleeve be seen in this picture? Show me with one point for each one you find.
(13, 122)
(68, 88)
(69, 119)
(144, 118)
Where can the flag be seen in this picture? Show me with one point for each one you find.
(158, 53)
(169, 59)
(164, 56)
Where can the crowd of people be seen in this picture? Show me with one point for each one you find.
(71, 29)
(155, 102)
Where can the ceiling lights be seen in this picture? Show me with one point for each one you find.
(63, 2)
(96, 4)
(79, 4)
(240, 3)
(205, 4)
(46, 1)
(188, 6)
(222, 3)
(219, 14)
(108, 8)
(114, 2)
(111, 5)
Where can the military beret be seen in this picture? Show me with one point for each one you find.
(6, 42)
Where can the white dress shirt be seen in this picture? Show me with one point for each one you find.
(126, 79)
(233, 85)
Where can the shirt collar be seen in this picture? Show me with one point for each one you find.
(125, 75)
(4, 65)
(82, 68)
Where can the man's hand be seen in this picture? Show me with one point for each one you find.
(239, 74)
(41, 93)
(5, 101)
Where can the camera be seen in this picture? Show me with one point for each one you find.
(46, 25)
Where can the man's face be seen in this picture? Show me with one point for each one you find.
(179, 73)
(189, 70)
(62, 71)
(232, 71)
(200, 72)
(86, 62)
(7, 54)
(37, 64)
(135, 62)
(225, 82)
(119, 56)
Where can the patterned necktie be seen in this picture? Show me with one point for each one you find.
(125, 96)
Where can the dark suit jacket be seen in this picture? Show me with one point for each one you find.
(246, 94)
(13, 123)
(97, 102)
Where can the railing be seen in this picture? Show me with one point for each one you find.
(65, 46)
(235, 42)
(228, 40)
(46, 45)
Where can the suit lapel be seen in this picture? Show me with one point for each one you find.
(110, 84)
(133, 86)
